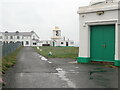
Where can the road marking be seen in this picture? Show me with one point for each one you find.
(71, 70)
(61, 74)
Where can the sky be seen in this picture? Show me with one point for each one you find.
(42, 16)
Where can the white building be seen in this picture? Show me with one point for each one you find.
(45, 43)
(99, 32)
(57, 39)
(26, 38)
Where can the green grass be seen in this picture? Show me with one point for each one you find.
(10, 60)
(59, 52)
(7, 62)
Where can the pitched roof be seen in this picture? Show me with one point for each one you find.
(17, 33)
(6, 33)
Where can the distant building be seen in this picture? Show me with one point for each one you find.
(57, 39)
(99, 32)
(45, 43)
(26, 38)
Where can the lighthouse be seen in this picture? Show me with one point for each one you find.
(56, 33)
(56, 36)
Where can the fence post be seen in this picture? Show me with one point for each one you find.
(0, 50)
(0, 62)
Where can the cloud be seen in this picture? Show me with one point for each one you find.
(41, 16)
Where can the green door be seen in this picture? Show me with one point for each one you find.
(102, 47)
(53, 44)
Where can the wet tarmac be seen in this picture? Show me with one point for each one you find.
(35, 71)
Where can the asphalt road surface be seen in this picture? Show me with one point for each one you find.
(35, 71)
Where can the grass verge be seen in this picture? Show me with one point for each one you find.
(6, 63)
(58, 52)
(10, 60)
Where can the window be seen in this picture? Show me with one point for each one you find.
(6, 37)
(0, 37)
(18, 37)
(62, 43)
(46, 42)
(71, 42)
(18, 41)
(57, 33)
(34, 43)
(33, 37)
(27, 42)
(11, 37)
(11, 41)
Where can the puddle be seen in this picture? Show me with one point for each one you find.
(61, 73)
(73, 62)
(76, 67)
(21, 74)
(71, 70)
(99, 71)
(98, 76)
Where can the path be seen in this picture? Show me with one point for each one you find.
(34, 71)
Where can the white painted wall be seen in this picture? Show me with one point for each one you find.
(118, 42)
(57, 42)
(22, 38)
(91, 18)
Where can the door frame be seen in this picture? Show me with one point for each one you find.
(67, 43)
(89, 24)
(94, 59)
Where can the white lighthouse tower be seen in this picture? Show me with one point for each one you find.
(56, 33)
(56, 36)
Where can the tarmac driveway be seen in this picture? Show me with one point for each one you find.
(35, 71)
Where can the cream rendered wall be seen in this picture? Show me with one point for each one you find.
(118, 42)
(87, 19)
(119, 31)
(33, 41)
(20, 39)
(27, 38)
(58, 43)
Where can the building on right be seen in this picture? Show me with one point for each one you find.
(99, 32)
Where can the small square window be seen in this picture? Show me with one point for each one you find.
(11, 37)
(0, 37)
(18, 37)
(71, 42)
(6, 37)
(34, 43)
(27, 42)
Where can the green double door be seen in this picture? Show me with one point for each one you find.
(102, 43)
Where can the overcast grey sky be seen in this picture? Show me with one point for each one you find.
(41, 16)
